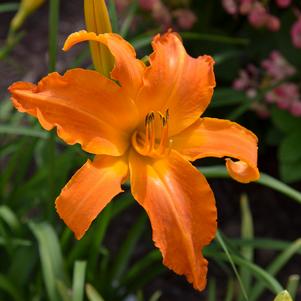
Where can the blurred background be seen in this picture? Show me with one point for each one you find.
(257, 49)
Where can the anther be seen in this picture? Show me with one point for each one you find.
(167, 114)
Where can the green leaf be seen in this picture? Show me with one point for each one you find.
(276, 266)
(6, 108)
(230, 290)
(83, 56)
(155, 296)
(290, 171)
(141, 41)
(221, 241)
(92, 240)
(129, 18)
(284, 121)
(92, 293)
(16, 242)
(140, 267)
(225, 56)
(9, 7)
(257, 271)
(227, 97)
(240, 110)
(7, 215)
(101, 226)
(290, 157)
(153, 273)
(277, 185)
(18, 161)
(247, 232)
(293, 284)
(122, 202)
(51, 258)
(290, 147)
(23, 131)
(126, 250)
(113, 15)
(63, 291)
(78, 281)
(7, 286)
(212, 290)
(22, 267)
(214, 38)
(145, 39)
(262, 243)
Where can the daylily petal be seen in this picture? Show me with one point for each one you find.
(128, 70)
(211, 137)
(89, 191)
(177, 82)
(86, 108)
(181, 208)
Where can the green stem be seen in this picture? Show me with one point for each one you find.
(54, 6)
(265, 180)
(53, 33)
(214, 38)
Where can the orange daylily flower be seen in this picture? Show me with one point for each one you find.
(144, 125)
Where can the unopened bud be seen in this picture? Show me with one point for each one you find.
(26, 8)
(98, 21)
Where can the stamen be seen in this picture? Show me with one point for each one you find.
(152, 131)
(155, 141)
(164, 136)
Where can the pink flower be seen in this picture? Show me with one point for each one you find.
(242, 82)
(247, 80)
(245, 6)
(283, 3)
(284, 96)
(230, 6)
(185, 18)
(161, 14)
(273, 23)
(296, 33)
(277, 67)
(258, 16)
(148, 4)
(121, 5)
(296, 108)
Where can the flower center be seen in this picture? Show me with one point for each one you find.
(153, 141)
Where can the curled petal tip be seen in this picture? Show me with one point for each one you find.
(242, 172)
(74, 38)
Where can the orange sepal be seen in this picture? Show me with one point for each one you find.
(211, 137)
(86, 108)
(181, 208)
(177, 82)
(89, 191)
(128, 70)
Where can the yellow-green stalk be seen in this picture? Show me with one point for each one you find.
(26, 8)
(283, 296)
(98, 21)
